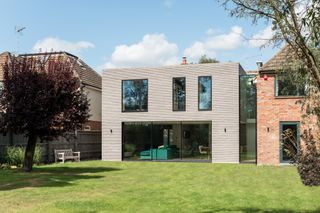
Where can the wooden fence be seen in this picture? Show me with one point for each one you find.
(88, 143)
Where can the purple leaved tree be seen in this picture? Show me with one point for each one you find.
(42, 98)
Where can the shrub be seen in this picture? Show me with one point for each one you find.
(307, 159)
(14, 155)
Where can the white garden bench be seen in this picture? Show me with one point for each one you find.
(66, 154)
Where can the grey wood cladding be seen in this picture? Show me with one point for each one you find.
(224, 114)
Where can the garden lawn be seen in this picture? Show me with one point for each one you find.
(96, 186)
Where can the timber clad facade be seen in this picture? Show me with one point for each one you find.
(222, 119)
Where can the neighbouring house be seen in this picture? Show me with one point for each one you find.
(278, 109)
(188, 112)
(90, 79)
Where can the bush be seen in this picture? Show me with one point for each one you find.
(14, 155)
(308, 161)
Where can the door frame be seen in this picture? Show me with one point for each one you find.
(281, 123)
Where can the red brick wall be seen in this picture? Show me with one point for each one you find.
(270, 111)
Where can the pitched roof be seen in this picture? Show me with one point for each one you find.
(86, 74)
(283, 58)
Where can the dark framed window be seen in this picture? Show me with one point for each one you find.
(205, 93)
(1, 86)
(284, 86)
(135, 95)
(179, 94)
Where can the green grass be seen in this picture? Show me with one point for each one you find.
(96, 186)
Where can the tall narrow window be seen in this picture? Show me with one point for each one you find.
(205, 93)
(179, 94)
(135, 95)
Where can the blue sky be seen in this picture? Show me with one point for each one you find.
(123, 33)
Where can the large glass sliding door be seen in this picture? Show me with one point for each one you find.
(196, 141)
(136, 138)
(166, 141)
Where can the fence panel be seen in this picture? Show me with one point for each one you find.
(88, 143)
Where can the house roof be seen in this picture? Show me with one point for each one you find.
(86, 74)
(283, 58)
(3, 59)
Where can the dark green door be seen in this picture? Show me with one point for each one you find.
(289, 140)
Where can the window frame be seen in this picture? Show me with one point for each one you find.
(185, 94)
(209, 109)
(122, 89)
(281, 124)
(276, 92)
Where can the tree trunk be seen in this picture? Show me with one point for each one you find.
(29, 153)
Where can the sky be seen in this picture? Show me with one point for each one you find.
(124, 33)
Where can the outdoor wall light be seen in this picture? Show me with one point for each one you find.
(110, 130)
(225, 129)
(268, 129)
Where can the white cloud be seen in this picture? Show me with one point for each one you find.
(215, 42)
(153, 50)
(261, 38)
(56, 44)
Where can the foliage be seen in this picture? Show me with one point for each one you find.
(295, 22)
(298, 24)
(206, 60)
(42, 98)
(14, 155)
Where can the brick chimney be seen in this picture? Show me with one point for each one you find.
(184, 60)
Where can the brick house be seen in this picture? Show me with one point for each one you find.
(277, 109)
(90, 79)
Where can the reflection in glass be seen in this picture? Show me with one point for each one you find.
(205, 92)
(135, 95)
(289, 140)
(179, 94)
(248, 101)
(166, 141)
(285, 86)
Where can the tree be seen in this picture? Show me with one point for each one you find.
(294, 21)
(206, 60)
(297, 23)
(41, 98)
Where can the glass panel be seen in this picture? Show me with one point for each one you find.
(179, 94)
(289, 145)
(1, 86)
(205, 92)
(196, 141)
(134, 95)
(137, 141)
(248, 115)
(286, 87)
(166, 140)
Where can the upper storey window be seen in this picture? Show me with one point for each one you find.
(205, 93)
(284, 86)
(135, 95)
(179, 94)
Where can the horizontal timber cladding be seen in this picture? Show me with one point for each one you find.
(224, 114)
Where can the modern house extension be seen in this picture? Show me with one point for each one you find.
(187, 112)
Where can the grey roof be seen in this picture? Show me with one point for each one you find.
(87, 75)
